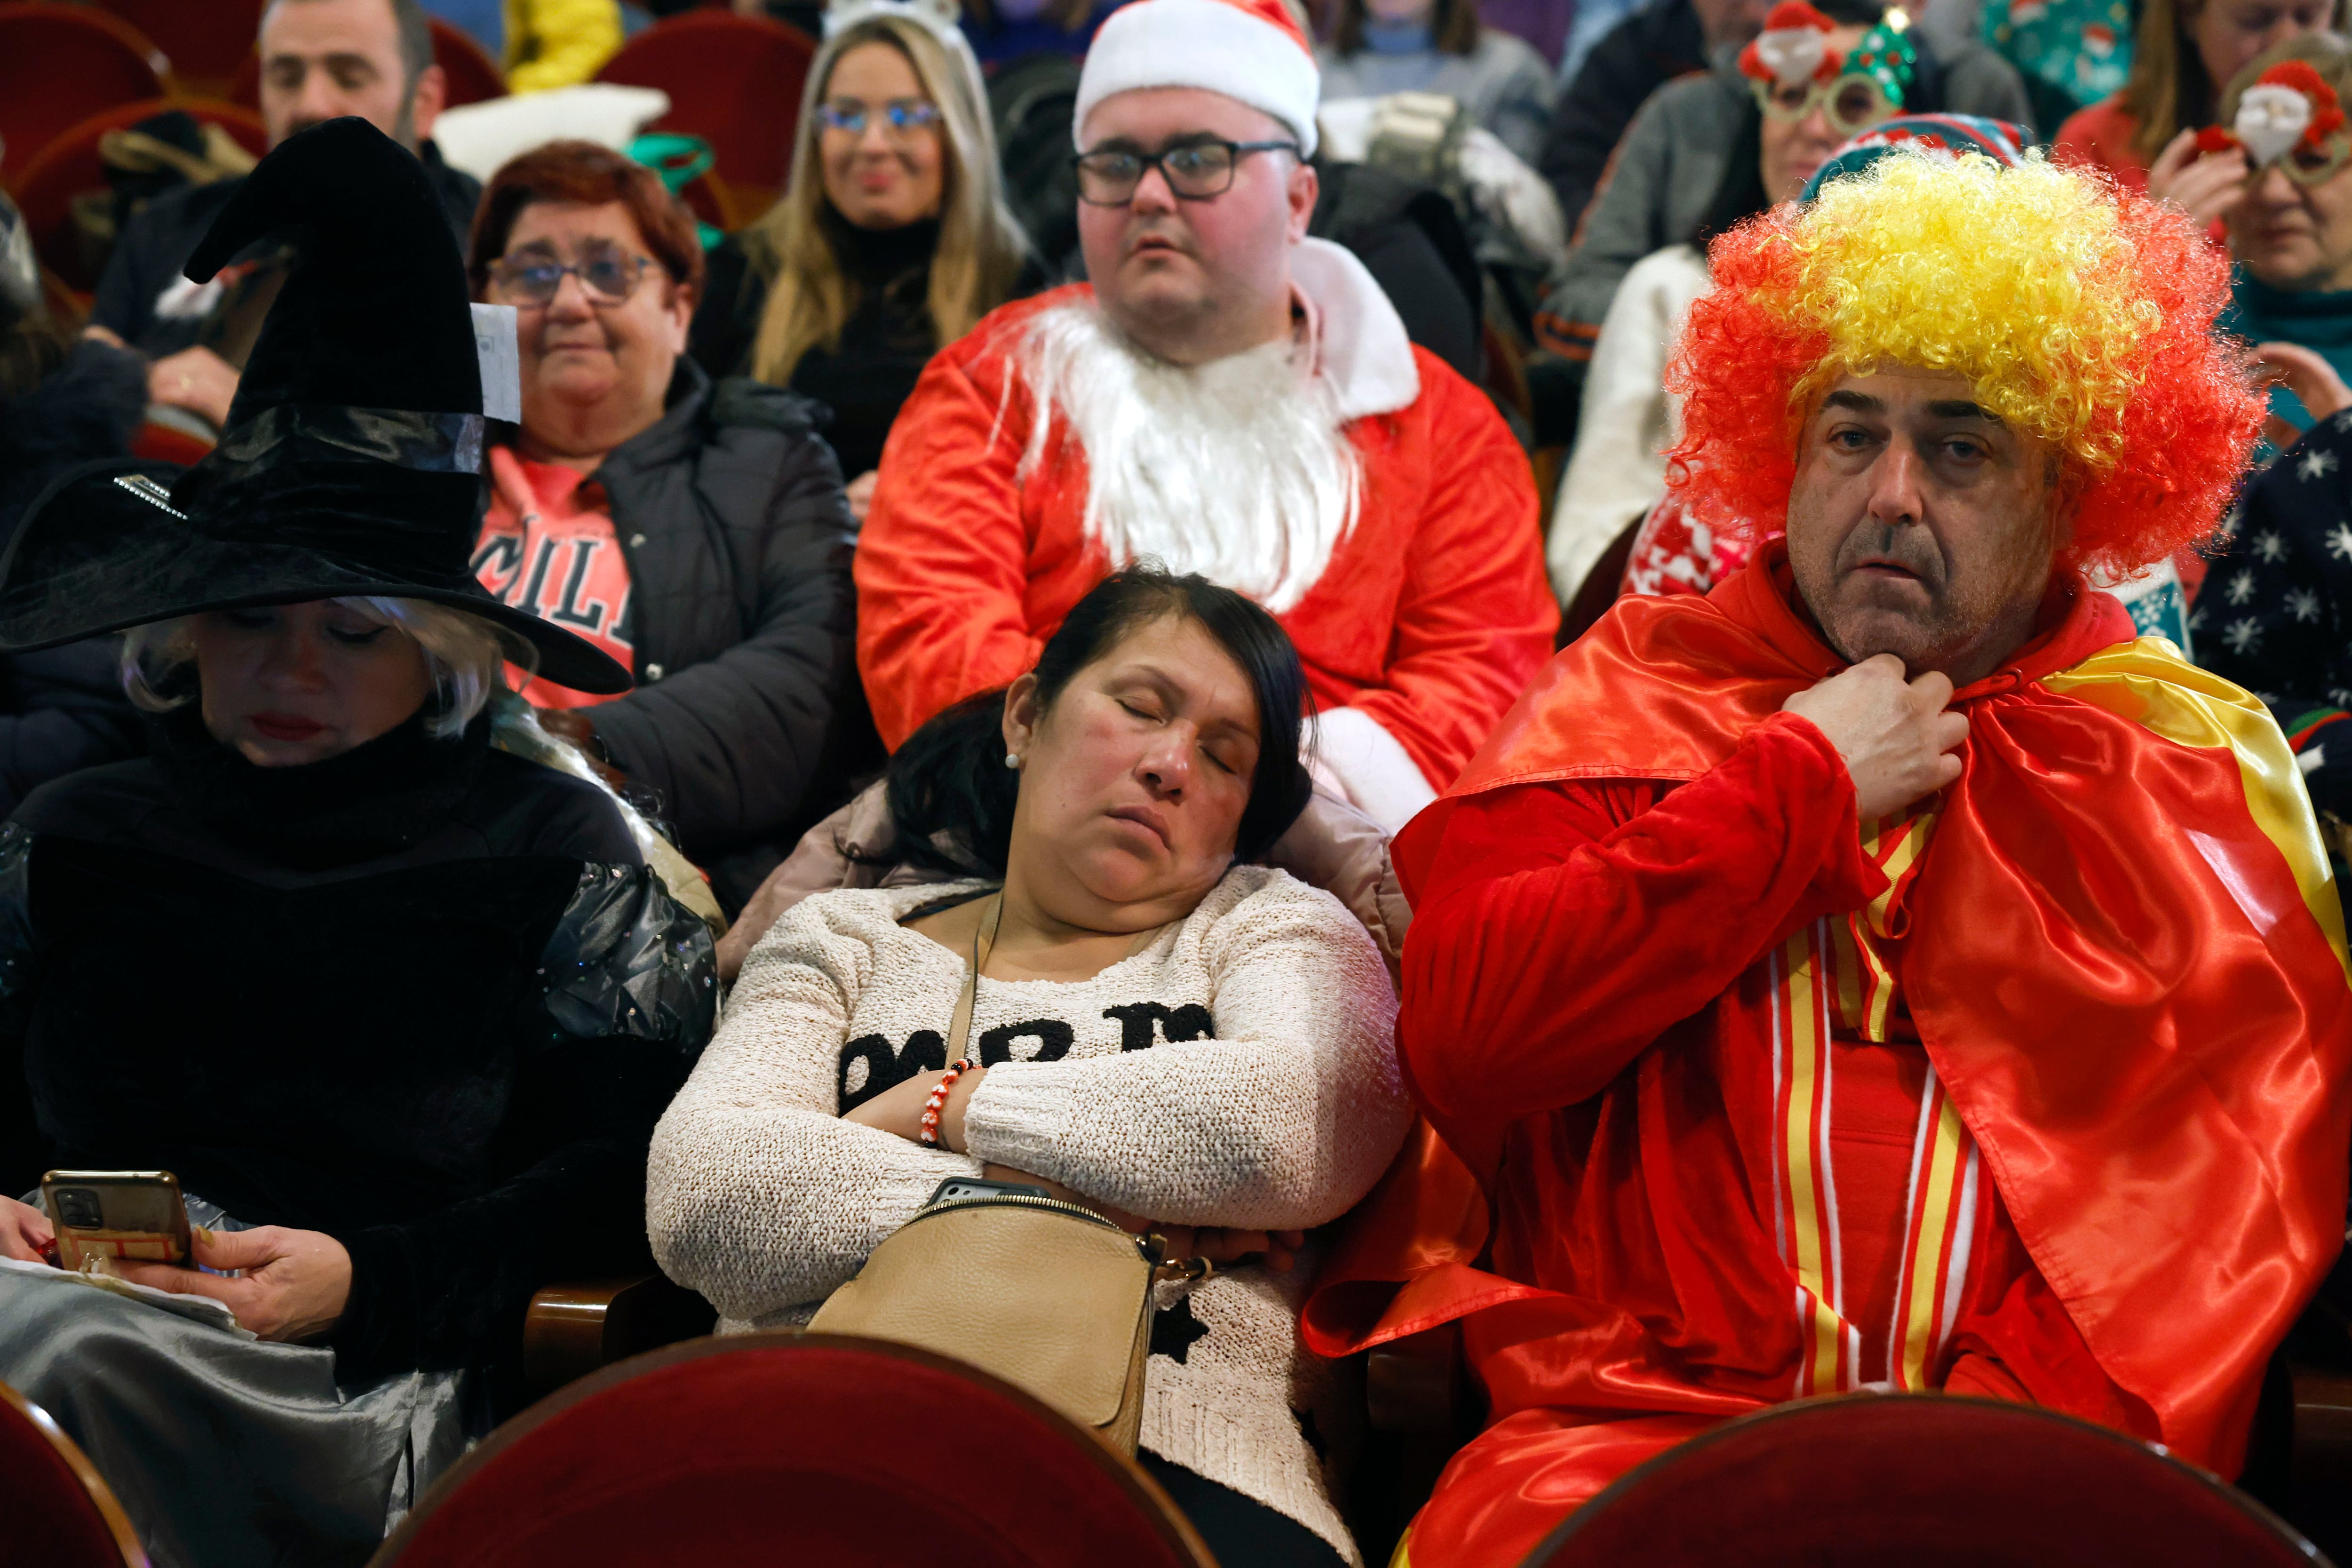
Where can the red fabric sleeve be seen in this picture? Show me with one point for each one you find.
(1475, 619)
(942, 561)
(1565, 926)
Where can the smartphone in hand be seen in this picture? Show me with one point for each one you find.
(134, 1215)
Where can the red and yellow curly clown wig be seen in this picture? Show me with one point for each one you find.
(2082, 313)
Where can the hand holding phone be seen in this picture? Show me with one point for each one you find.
(117, 1215)
(25, 1233)
(282, 1284)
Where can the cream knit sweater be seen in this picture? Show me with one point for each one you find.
(1238, 1072)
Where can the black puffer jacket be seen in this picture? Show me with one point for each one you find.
(747, 721)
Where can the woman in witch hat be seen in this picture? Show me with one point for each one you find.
(398, 1006)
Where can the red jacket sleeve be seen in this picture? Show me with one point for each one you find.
(1475, 619)
(1566, 926)
(943, 558)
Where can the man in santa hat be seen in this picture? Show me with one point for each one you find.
(1890, 970)
(1229, 397)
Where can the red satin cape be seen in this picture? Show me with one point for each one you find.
(2130, 978)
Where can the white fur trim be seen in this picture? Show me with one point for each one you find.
(478, 138)
(1370, 767)
(1205, 43)
(1366, 357)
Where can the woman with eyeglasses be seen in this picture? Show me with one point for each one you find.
(892, 239)
(2184, 53)
(2284, 131)
(697, 533)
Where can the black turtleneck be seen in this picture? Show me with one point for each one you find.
(375, 799)
(884, 343)
(423, 996)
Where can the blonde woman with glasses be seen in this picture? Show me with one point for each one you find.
(891, 241)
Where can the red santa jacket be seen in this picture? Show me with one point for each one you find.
(2124, 959)
(1431, 616)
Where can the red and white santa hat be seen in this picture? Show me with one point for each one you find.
(1250, 50)
(1793, 48)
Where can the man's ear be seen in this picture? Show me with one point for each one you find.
(426, 100)
(1305, 186)
(1021, 716)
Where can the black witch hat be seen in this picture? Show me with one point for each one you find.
(352, 463)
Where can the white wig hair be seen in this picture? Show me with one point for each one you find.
(1240, 469)
(464, 655)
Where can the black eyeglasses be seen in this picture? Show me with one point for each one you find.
(1195, 171)
(609, 275)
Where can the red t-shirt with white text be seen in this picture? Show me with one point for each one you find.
(548, 545)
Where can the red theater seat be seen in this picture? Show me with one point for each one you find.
(69, 165)
(58, 66)
(1918, 1481)
(207, 41)
(473, 75)
(819, 1450)
(735, 81)
(57, 1512)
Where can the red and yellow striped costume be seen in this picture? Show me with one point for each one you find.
(2043, 1090)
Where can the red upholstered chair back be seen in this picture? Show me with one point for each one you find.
(69, 165)
(735, 81)
(58, 66)
(819, 1450)
(473, 76)
(54, 1509)
(1918, 1481)
(205, 40)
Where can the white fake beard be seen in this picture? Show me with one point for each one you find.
(1238, 469)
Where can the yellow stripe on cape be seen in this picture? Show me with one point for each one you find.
(2149, 683)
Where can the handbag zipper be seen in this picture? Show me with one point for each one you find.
(1151, 1246)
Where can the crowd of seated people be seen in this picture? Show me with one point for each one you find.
(640, 748)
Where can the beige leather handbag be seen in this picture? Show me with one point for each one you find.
(1049, 1296)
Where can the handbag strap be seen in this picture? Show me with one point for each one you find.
(984, 941)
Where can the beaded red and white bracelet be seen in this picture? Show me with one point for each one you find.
(937, 1103)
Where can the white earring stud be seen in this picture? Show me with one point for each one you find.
(1012, 760)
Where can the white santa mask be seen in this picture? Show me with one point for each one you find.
(2271, 120)
(1792, 54)
(1239, 469)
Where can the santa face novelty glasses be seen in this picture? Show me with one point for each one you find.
(1852, 103)
(2288, 120)
(1794, 66)
(1196, 171)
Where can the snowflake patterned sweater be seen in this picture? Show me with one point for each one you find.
(1240, 1070)
(2276, 614)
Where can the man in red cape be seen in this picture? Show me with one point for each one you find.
(1888, 970)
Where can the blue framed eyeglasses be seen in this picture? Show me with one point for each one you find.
(901, 116)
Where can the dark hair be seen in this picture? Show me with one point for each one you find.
(951, 796)
(415, 38)
(1452, 26)
(585, 171)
